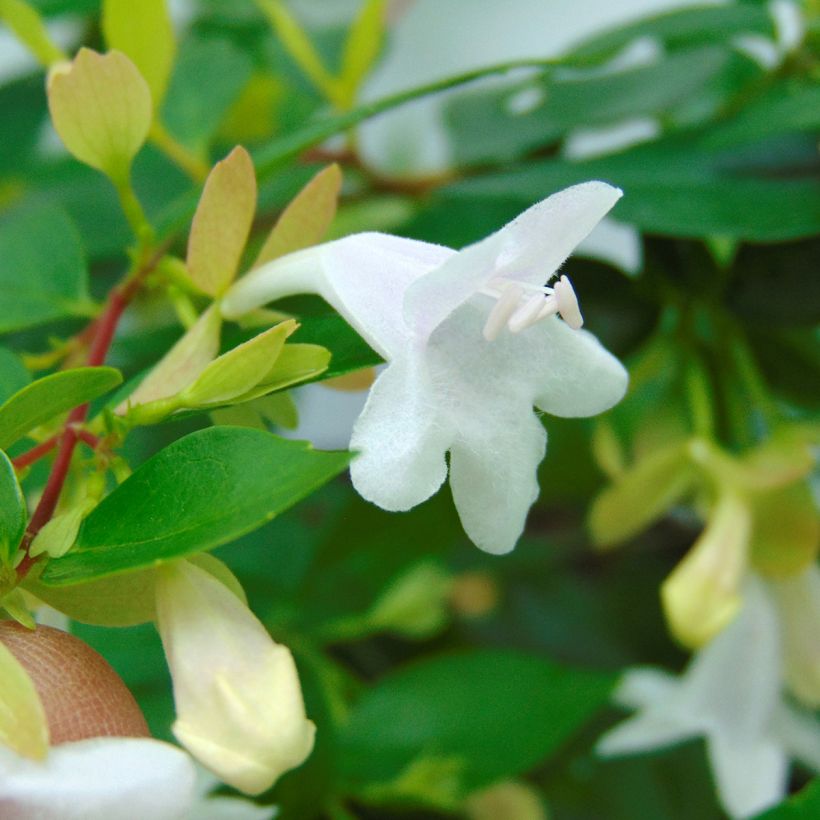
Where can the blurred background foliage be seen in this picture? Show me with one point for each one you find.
(432, 670)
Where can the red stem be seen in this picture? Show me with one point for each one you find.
(104, 328)
(35, 453)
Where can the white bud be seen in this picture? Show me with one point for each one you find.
(237, 695)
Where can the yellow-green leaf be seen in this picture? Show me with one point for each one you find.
(362, 48)
(222, 223)
(101, 108)
(183, 363)
(785, 530)
(239, 370)
(306, 219)
(30, 30)
(142, 31)
(23, 726)
(296, 363)
(641, 495)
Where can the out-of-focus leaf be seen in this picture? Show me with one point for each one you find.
(143, 32)
(222, 223)
(42, 270)
(13, 513)
(685, 27)
(677, 186)
(362, 47)
(48, 397)
(167, 508)
(23, 726)
(497, 712)
(306, 219)
(641, 495)
(27, 25)
(22, 111)
(803, 806)
(208, 76)
(13, 374)
(785, 531)
(497, 124)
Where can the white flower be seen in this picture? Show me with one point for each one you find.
(730, 694)
(100, 779)
(238, 701)
(114, 778)
(472, 342)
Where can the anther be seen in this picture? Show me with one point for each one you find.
(502, 310)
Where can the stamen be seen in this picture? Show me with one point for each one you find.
(568, 303)
(527, 314)
(508, 300)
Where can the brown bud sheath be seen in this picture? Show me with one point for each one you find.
(81, 694)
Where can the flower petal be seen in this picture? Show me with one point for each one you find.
(530, 249)
(575, 375)
(645, 732)
(493, 476)
(401, 440)
(364, 276)
(98, 779)
(750, 777)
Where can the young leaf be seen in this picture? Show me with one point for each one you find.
(43, 274)
(204, 490)
(239, 370)
(48, 397)
(306, 219)
(183, 363)
(28, 26)
(222, 223)
(101, 108)
(362, 48)
(499, 712)
(13, 515)
(296, 363)
(143, 32)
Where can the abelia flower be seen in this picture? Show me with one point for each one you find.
(473, 340)
(730, 694)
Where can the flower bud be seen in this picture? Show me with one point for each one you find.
(702, 595)
(238, 701)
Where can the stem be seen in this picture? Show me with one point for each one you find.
(35, 453)
(104, 326)
(194, 166)
(132, 209)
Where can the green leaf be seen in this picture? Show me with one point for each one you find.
(13, 374)
(362, 47)
(207, 78)
(48, 397)
(13, 515)
(204, 490)
(43, 274)
(499, 712)
(684, 27)
(802, 806)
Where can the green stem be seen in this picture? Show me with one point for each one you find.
(193, 165)
(133, 211)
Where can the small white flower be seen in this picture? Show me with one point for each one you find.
(114, 778)
(100, 779)
(237, 696)
(473, 341)
(730, 694)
